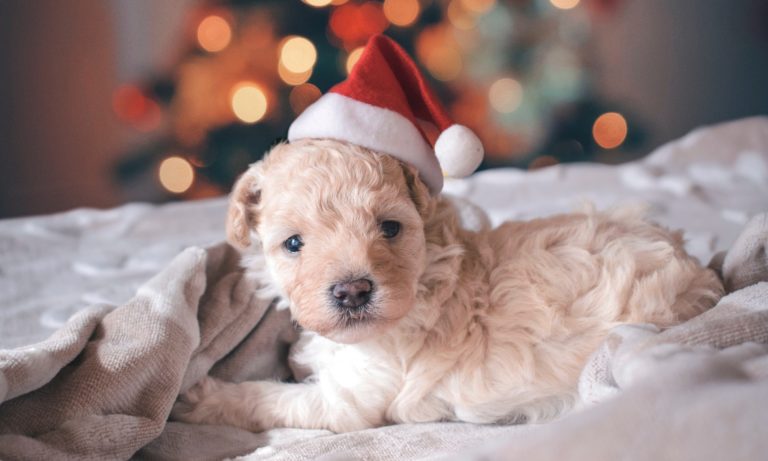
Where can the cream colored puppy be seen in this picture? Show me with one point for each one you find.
(407, 317)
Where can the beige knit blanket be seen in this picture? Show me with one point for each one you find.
(103, 386)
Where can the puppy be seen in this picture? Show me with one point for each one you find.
(408, 317)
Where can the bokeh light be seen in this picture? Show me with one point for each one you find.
(610, 130)
(459, 16)
(293, 78)
(444, 63)
(478, 6)
(249, 103)
(505, 95)
(298, 54)
(302, 96)
(440, 52)
(132, 106)
(352, 59)
(354, 23)
(401, 12)
(564, 4)
(318, 3)
(129, 103)
(214, 33)
(176, 174)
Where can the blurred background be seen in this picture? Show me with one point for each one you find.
(108, 101)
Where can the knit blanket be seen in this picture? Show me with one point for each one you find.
(102, 386)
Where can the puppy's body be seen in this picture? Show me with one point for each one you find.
(478, 326)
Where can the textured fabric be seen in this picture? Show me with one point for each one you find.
(750, 264)
(335, 116)
(102, 387)
(385, 76)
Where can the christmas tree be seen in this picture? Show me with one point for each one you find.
(515, 71)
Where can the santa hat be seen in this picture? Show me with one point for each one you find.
(385, 105)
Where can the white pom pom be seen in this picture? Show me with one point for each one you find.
(459, 151)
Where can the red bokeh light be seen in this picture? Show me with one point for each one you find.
(355, 23)
(132, 106)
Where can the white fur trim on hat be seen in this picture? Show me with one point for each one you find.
(459, 151)
(335, 116)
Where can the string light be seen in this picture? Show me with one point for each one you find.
(302, 96)
(176, 174)
(352, 59)
(564, 4)
(249, 103)
(610, 130)
(401, 12)
(297, 54)
(214, 33)
(505, 95)
(318, 3)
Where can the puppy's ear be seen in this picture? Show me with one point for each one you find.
(425, 203)
(241, 216)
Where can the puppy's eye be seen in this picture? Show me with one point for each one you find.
(293, 244)
(390, 229)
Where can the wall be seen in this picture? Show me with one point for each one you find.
(60, 62)
(679, 64)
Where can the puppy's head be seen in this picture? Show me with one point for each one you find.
(342, 232)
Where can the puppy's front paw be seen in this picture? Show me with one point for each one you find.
(196, 405)
(211, 401)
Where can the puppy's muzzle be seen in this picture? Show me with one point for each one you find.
(353, 294)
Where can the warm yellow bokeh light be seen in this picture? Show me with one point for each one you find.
(214, 33)
(297, 54)
(610, 130)
(401, 12)
(249, 103)
(353, 57)
(505, 95)
(444, 63)
(564, 4)
(176, 174)
(459, 16)
(318, 3)
(293, 78)
(478, 6)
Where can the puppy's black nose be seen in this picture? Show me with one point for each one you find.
(352, 294)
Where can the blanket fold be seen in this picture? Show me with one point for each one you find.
(102, 386)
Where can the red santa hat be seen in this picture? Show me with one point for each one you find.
(386, 105)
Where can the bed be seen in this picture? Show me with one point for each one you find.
(106, 315)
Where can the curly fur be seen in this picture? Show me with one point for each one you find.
(486, 326)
